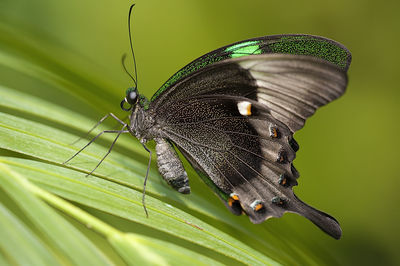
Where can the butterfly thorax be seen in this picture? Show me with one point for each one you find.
(141, 121)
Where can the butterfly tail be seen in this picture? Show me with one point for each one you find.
(324, 221)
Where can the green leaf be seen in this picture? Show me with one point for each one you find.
(21, 243)
(60, 233)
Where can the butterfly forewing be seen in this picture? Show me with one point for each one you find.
(297, 44)
(293, 87)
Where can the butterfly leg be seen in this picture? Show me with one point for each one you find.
(98, 123)
(145, 179)
(170, 166)
(112, 145)
(93, 139)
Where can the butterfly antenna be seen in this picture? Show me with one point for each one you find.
(126, 70)
(130, 41)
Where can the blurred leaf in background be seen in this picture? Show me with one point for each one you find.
(60, 72)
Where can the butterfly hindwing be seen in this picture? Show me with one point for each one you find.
(234, 121)
(235, 151)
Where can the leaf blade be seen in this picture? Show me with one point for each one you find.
(64, 236)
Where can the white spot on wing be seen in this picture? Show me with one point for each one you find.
(244, 108)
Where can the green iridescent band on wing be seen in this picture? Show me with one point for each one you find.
(208, 59)
(297, 44)
(307, 45)
(243, 49)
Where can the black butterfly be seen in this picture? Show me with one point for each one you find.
(233, 112)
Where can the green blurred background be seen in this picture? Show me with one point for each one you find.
(348, 150)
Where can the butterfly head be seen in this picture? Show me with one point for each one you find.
(131, 99)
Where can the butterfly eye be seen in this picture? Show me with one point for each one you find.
(131, 97)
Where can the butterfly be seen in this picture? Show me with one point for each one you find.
(232, 113)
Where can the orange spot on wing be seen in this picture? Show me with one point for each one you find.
(258, 207)
(230, 202)
(248, 109)
(232, 199)
(274, 133)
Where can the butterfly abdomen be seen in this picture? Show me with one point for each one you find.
(170, 166)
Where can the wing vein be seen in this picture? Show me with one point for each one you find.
(235, 132)
(213, 119)
(247, 181)
(215, 149)
(255, 171)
